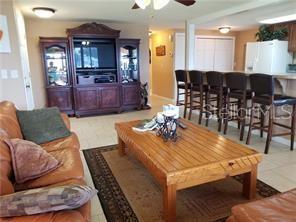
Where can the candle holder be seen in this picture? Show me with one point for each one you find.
(167, 128)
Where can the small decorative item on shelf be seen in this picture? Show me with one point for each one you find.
(167, 123)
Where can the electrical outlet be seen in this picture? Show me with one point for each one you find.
(4, 74)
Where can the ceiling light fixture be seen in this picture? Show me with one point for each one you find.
(143, 3)
(280, 19)
(159, 4)
(224, 29)
(44, 12)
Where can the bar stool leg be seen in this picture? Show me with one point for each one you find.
(208, 108)
(191, 104)
(227, 114)
(239, 102)
(243, 119)
(220, 106)
(270, 129)
(178, 91)
(201, 98)
(293, 127)
(185, 102)
(262, 119)
(251, 123)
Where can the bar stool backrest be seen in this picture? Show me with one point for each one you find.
(236, 81)
(262, 84)
(214, 79)
(196, 77)
(181, 76)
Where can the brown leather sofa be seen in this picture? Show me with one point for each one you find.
(70, 172)
(278, 208)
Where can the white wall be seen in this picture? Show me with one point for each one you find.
(12, 89)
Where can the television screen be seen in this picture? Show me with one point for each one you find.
(94, 54)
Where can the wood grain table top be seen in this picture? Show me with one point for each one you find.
(196, 147)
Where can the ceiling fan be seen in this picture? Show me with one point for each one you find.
(158, 4)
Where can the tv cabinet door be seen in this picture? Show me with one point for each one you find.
(109, 97)
(86, 99)
(60, 97)
(131, 94)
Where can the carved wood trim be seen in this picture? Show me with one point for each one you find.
(95, 29)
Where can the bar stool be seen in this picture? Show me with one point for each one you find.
(236, 84)
(198, 90)
(263, 87)
(182, 83)
(215, 87)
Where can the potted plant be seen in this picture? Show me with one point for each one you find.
(266, 33)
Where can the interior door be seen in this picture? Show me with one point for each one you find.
(223, 59)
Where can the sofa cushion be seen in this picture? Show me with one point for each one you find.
(71, 168)
(47, 199)
(30, 160)
(67, 142)
(42, 125)
(6, 186)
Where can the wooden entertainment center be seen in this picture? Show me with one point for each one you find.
(92, 71)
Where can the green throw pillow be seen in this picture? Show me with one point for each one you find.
(42, 125)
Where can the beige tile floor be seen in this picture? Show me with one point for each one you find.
(277, 169)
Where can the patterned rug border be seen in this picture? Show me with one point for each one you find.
(114, 203)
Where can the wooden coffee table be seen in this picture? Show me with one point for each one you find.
(199, 156)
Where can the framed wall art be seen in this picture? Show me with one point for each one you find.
(160, 50)
(4, 35)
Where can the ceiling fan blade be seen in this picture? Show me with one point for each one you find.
(186, 2)
(135, 6)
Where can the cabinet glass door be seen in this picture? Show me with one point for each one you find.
(129, 64)
(56, 66)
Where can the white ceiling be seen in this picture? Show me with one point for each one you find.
(207, 14)
(250, 18)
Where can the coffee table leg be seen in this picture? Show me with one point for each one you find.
(169, 203)
(121, 146)
(249, 184)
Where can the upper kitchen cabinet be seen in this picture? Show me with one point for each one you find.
(292, 37)
(55, 54)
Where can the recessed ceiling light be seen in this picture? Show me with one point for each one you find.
(224, 29)
(280, 19)
(44, 12)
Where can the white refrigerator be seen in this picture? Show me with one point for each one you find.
(269, 57)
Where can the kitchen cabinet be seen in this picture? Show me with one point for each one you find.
(292, 37)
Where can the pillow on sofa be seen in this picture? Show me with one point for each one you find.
(47, 199)
(42, 125)
(30, 160)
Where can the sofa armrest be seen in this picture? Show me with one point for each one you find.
(66, 120)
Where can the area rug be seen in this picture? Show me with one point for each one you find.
(128, 192)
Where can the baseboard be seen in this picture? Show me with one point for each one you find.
(164, 98)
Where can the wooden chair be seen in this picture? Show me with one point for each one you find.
(236, 84)
(197, 93)
(182, 83)
(263, 87)
(215, 87)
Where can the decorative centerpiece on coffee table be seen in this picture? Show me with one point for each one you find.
(167, 123)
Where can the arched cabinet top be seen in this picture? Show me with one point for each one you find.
(93, 29)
